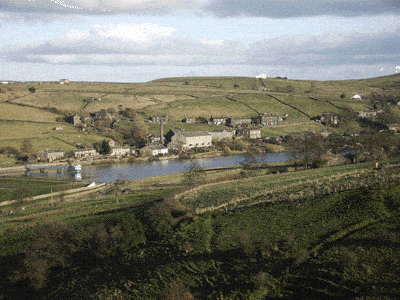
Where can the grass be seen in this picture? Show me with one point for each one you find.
(42, 135)
(179, 98)
(272, 186)
(264, 250)
(13, 112)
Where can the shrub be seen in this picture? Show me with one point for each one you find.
(32, 89)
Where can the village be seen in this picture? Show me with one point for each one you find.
(174, 141)
(178, 140)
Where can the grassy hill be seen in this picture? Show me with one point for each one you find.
(334, 245)
(24, 114)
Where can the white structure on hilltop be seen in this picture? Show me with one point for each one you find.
(262, 76)
(356, 97)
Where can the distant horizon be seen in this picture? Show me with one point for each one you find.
(200, 76)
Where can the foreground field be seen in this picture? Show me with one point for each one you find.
(328, 244)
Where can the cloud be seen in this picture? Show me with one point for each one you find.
(335, 48)
(135, 44)
(150, 45)
(220, 8)
(300, 8)
(157, 7)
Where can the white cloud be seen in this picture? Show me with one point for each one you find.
(133, 32)
(147, 45)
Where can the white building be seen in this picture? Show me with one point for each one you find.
(262, 76)
(153, 150)
(189, 140)
(356, 97)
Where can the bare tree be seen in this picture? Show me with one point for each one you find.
(193, 173)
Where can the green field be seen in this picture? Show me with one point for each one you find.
(179, 98)
(323, 246)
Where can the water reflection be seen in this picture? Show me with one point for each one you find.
(76, 175)
(164, 167)
(111, 173)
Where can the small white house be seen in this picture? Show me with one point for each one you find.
(356, 97)
(262, 76)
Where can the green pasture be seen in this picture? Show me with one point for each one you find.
(17, 188)
(42, 135)
(283, 130)
(217, 194)
(10, 111)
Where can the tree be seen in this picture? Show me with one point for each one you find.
(32, 89)
(105, 145)
(193, 173)
(308, 148)
(342, 96)
(202, 120)
(26, 146)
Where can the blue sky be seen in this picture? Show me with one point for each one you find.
(142, 40)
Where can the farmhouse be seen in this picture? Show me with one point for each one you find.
(218, 121)
(250, 132)
(262, 76)
(328, 118)
(159, 119)
(267, 119)
(356, 97)
(121, 151)
(394, 128)
(222, 134)
(50, 154)
(153, 150)
(190, 120)
(85, 153)
(181, 140)
(62, 81)
(238, 121)
(74, 119)
(367, 114)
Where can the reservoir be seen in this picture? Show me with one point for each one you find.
(110, 173)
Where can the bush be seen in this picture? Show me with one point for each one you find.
(32, 89)
(318, 163)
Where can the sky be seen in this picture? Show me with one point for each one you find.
(143, 40)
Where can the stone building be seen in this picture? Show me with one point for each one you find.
(50, 154)
(328, 118)
(250, 133)
(159, 119)
(218, 120)
(238, 121)
(367, 114)
(120, 151)
(267, 119)
(85, 153)
(190, 120)
(222, 134)
(153, 150)
(181, 140)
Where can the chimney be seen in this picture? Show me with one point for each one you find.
(161, 132)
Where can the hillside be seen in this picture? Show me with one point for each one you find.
(33, 115)
(132, 240)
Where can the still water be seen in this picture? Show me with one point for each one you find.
(110, 173)
(155, 168)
